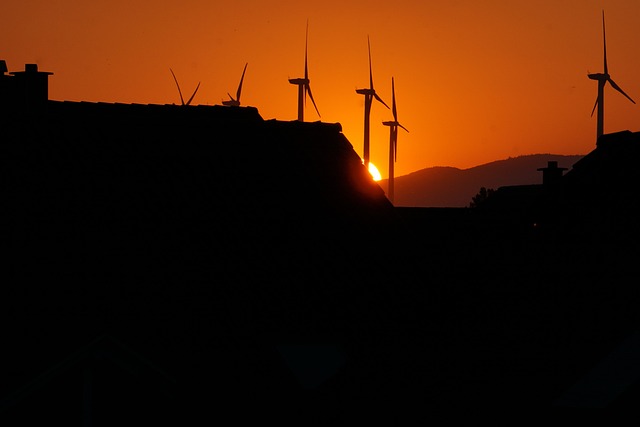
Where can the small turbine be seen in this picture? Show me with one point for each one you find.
(180, 92)
(393, 139)
(235, 102)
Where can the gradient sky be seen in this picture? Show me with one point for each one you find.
(476, 81)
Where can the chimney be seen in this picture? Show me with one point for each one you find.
(552, 173)
(31, 87)
(6, 93)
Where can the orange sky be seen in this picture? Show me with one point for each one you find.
(476, 81)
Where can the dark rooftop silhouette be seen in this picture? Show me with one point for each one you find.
(257, 265)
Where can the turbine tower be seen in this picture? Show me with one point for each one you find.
(303, 84)
(180, 92)
(602, 79)
(393, 139)
(369, 94)
(235, 102)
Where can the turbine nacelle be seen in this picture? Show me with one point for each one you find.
(299, 81)
(599, 76)
(231, 102)
(396, 124)
(366, 91)
(372, 93)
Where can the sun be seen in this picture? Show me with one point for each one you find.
(373, 170)
(375, 173)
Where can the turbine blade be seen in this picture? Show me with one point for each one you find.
(380, 99)
(306, 42)
(308, 89)
(370, 68)
(179, 91)
(604, 38)
(594, 107)
(393, 101)
(240, 85)
(230, 97)
(194, 94)
(403, 127)
(616, 87)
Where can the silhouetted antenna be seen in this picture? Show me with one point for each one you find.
(602, 79)
(235, 102)
(303, 83)
(393, 140)
(369, 95)
(180, 92)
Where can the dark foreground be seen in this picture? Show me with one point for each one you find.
(171, 282)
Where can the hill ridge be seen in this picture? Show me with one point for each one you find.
(448, 186)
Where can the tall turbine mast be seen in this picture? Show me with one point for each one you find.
(303, 84)
(393, 140)
(602, 79)
(369, 94)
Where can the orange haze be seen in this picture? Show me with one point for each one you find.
(476, 81)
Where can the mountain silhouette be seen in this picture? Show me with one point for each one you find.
(443, 186)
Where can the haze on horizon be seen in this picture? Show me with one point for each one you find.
(475, 81)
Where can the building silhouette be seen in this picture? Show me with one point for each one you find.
(242, 257)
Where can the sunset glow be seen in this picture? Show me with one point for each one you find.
(375, 173)
(475, 81)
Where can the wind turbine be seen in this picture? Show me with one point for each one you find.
(369, 94)
(180, 92)
(303, 84)
(393, 139)
(236, 102)
(602, 79)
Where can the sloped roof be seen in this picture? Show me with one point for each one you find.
(122, 214)
(227, 156)
(206, 234)
(613, 164)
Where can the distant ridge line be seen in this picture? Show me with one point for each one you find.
(448, 186)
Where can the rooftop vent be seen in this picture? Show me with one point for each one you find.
(552, 173)
(31, 87)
